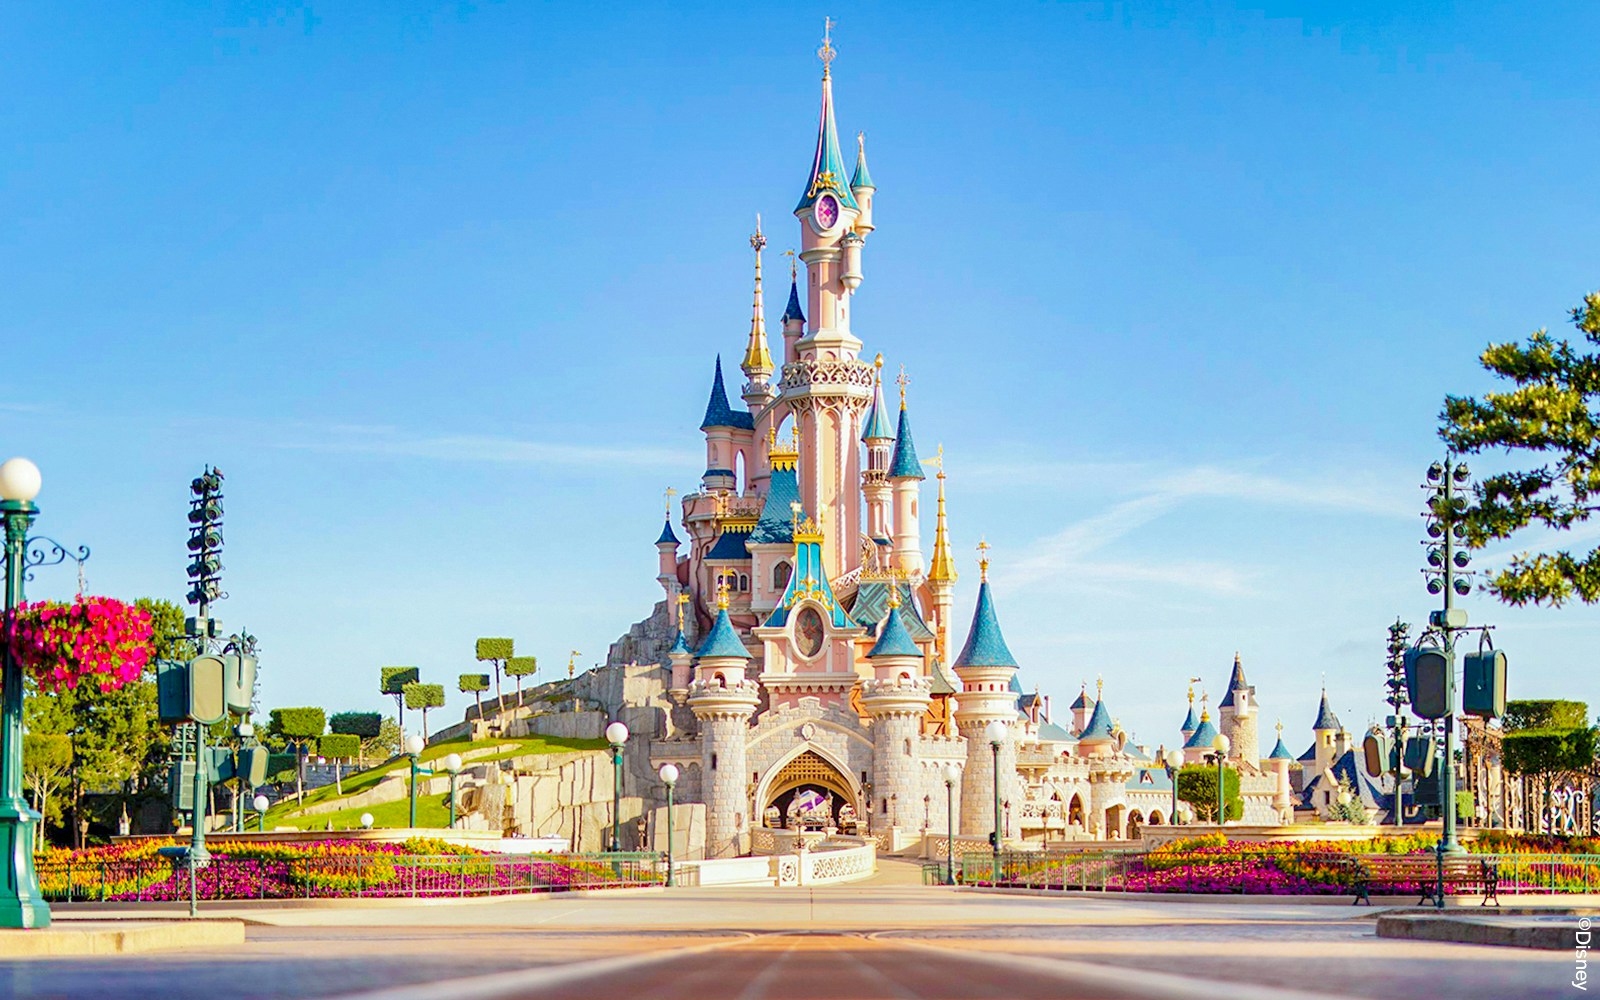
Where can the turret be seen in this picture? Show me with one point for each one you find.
(942, 571)
(1199, 743)
(905, 477)
(722, 700)
(1279, 762)
(728, 434)
(757, 364)
(1329, 733)
(828, 211)
(896, 699)
(667, 556)
(1098, 738)
(862, 187)
(986, 668)
(794, 320)
(878, 436)
(1081, 709)
(1236, 715)
(1190, 723)
(680, 655)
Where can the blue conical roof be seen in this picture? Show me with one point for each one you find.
(1082, 701)
(718, 412)
(1325, 717)
(904, 464)
(680, 645)
(1099, 727)
(827, 165)
(985, 647)
(877, 423)
(1235, 683)
(1280, 752)
(666, 534)
(861, 178)
(893, 639)
(792, 310)
(1203, 736)
(1190, 723)
(722, 640)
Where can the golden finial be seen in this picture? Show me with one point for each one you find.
(794, 267)
(894, 592)
(772, 438)
(758, 242)
(904, 381)
(1099, 686)
(827, 52)
(1205, 712)
(877, 363)
(722, 591)
(683, 602)
(861, 143)
(669, 494)
(572, 660)
(794, 512)
(983, 560)
(1280, 729)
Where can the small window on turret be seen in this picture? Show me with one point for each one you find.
(780, 575)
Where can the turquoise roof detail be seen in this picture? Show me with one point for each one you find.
(679, 645)
(893, 639)
(1280, 752)
(1325, 717)
(862, 178)
(985, 647)
(904, 464)
(871, 604)
(1202, 737)
(776, 523)
(827, 165)
(1016, 685)
(718, 412)
(1190, 723)
(809, 581)
(792, 310)
(722, 640)
(730, 545)
(1053, 733)
(1099, 727)
(877, 423)
(666, 534)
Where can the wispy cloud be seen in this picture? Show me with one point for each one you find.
(389, 441)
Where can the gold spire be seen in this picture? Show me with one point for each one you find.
(757, 360)
(943, 565)
(683, 602)
(669, 494)
(983, 560)
(572, 662)
(1099, 687)
(1205, 712)
(894, 592)
(904, 381)
(722, 591)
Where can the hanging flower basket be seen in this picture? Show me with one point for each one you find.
(98, 641)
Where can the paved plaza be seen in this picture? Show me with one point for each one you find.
(884, 939)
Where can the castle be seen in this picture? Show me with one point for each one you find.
(811, 675)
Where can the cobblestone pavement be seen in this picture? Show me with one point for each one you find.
(847, 942)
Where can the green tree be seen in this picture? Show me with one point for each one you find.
(46, 763)
(365, 726)
(496, 652)
(1549, 413)
(298, 727)
(1545, 739)
(424, 696)
(386, 744)
(520, 667)
(475, 685)
(393, 681)
(339, 747)
(1197, 785)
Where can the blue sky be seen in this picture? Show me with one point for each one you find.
(438, 286)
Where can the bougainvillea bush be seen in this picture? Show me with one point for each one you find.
(136, 871)
(97, 641)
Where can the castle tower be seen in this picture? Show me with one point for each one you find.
(729, 435)
(1279, 762)
(1199, 742)
(1327, 730)
(1190, 723)
(895, 698)
(1081, 708)
(824, 385)
(905, 477)
(862, 187)
(722, 701)
(1236, 713)
(879, 439)
(1098, 738)
(667, 555)
(942, 572)
(757, 363)
(794, 320)
(986, 668)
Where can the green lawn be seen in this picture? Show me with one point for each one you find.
(393, 814)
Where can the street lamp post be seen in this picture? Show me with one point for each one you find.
(616, 735)
(261, 803)
(413, 748)
(1174, 761)
(1221, 745)
(669, 777)
(951, 773)
(21, 901)
(996, 734)
(452, 766)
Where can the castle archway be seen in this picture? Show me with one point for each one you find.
(809, 789)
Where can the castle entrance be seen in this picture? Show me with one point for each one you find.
(810, 793)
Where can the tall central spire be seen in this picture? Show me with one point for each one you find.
(827, 165)
(757, 363)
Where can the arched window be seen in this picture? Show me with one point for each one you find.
(780, 575)
(744, 582)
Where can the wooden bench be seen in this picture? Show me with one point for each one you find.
(1462, 871)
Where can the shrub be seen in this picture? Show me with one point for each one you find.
(363, 724)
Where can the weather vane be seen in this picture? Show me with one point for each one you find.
(794, 266)
(827, 52)
(669, 494)
(904, 381)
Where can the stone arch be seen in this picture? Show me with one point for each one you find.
(809, 763)
(1075, 815)
(1135, 820)
(1155, 818)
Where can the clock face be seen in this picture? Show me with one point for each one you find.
(827, 212)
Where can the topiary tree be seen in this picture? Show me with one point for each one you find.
(394, 681)
(424, 696)
(298, 727)
(475, 685)
(497, 652)
(365, 726)
(339, 747)
(1197, 785)
(520, 667)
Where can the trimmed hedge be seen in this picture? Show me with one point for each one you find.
(1542, 751)
(298, 723)
(395, 679)
(495, 649)
(363, 724)
(339, 745)
(419, 695)
(522, 666)
(473, 682)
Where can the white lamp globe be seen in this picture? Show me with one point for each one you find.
(1221, 744)
(452, 763)
(413, 745)
(19, 480)
(616, 734)
(669, 774)
(1344, 797)
(952, 774)
(366, 821)
(995, 732)
(261, 803)
(1174, 759)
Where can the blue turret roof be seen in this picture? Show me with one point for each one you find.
(1189, 722)
(1325, 717)
(679, 645)
(722, 640)
(1280, 752)
(1235, 683)
(827, 165)
(666, 534)
(1016, 686)
(985, 647)
(861, 178)
(904, 464)
(877, 422)
(718, 412)
(792, 310)
(776, 523)
(893, 639)
(1082, 701)
(1203, 736)
(1099, 727)
(730, 545)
